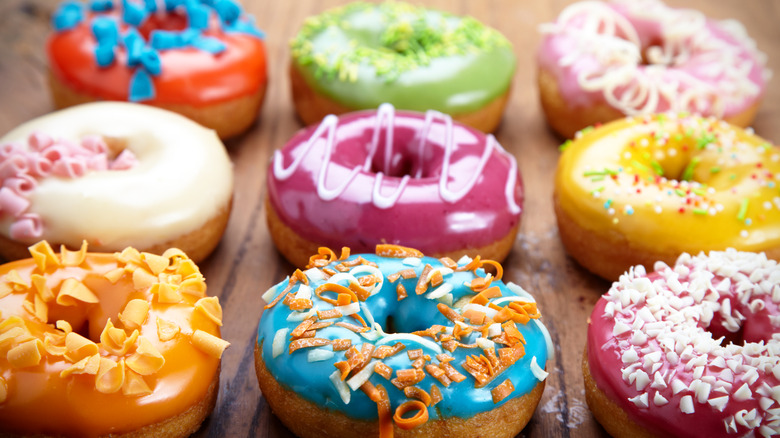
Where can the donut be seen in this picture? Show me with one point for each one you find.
(361, 55)
(204, 59)
(98, 344)
(600, 61)
(398, 343)
(442, 187)
(649, 188)
(688, 350)
(115, 174)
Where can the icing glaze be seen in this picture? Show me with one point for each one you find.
(362, 55)
(643, 57)
(669, 181)
(340, 183)
(137, 52)
(306, 371)
(692, 349)
(182, 178)
(102, 367)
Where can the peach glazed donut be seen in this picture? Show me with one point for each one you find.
(690, 350)
(361, 55)
(115, 174)
(204, 59)
(398, 343)
(601, 61)
(95, 344)
(649, 188)
(379, 176)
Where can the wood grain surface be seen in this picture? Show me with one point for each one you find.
(246, 263)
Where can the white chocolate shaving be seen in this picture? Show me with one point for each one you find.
(72, 291)
(209, 344)
(134, 313)
(110, 376)
(210, 307)
(146, 360)
(166, 330)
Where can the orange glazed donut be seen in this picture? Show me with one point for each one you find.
(94, 344)
(600, 61)
(203, 59)
(649, 188)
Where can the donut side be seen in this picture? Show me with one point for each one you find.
(197, 244)
(297, 249)
(312, 106)
(228, 118)
(305, 419)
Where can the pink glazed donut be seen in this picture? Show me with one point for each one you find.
(690, 350)
(601, 61)
(404, 178)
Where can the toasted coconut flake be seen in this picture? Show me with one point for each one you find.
(537, 371)
(73, 258)
(43, 291)
(79, 347)
(407, 423)
(134, 384)
(277, 346)
(341, 388)
(43, 255)
(26, 354)
(397, 251)
(211, 308)
(134, 313)
(502, 391)
(147, 359)
(209, 344)
(319, 354)
(110, 376)
(143, 279)
(359, 378)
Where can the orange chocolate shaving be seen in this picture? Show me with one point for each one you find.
(307, 343)
(495, 264)
(501, 391)
(334, 287)
(400, 291)
(435, 395)
(383, 370)
(448, 262)
(422, 282)
(418, 393)
(341, 344)
(353, 327)
(451, 314)
(397, 251)
(411, 422)
(384, 351)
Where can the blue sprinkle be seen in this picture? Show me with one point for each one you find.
(67, 16)
(748, 221)
(198, 16)
(101, 5)
(170, 5)
(164, 40)
(189, 36)
(134, 43)
(228, 10)
(104, 55)
(141, 87)
(106, 31)
(629, 210)
(211, 45)
(608, 204)
(133, 14)
(150, 6)
(150, 59)
(246, 26)
(771, 184)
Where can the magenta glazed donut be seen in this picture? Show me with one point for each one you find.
(690, 350)
(600, 61)
(402, 178)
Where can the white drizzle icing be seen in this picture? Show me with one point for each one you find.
(386, 114)
(603, 33)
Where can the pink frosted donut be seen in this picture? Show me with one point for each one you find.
(404, 178)
(602, 61)
(690, 350)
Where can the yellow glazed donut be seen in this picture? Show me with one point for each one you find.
(115, 174)
(95, 344)
(649, 188)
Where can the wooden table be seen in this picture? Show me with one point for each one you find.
(246, 263)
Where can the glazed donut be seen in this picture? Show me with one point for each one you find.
(203, 59)
(361, 55)
(116, 174)
(649, 188)
(689, 350)
(601, 61)
(441, 186)
(94, 344)
(466, 351)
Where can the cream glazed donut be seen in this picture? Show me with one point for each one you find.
(114, 174)
(600, 61)
(689, 350)
(407, 178)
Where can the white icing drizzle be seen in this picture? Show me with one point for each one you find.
(664, 319)
(601, 32)
(386, 115)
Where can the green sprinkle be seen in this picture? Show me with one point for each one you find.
(640, 166)
(679, 192)
(704, 140)
(565, 145)
(714, 169)
(586, 130)
(600, 189)
(594, 172)
(700, 192)
(743, 206)
(688, 172)
(699, 211)
(657, 168)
